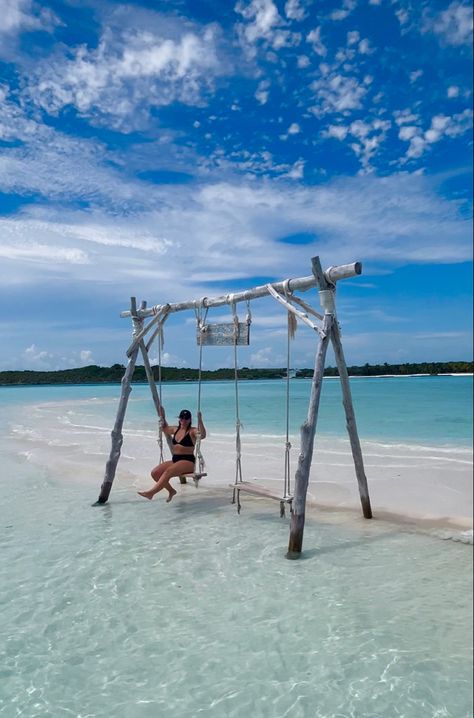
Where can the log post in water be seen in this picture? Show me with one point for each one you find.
(307, 441)
(116, 434)
(351, 422)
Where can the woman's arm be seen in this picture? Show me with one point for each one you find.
(166, 428)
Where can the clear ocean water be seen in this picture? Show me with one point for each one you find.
(138, 609)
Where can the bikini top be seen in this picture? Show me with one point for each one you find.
(185, 441)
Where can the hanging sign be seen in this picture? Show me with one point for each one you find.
(223, 335)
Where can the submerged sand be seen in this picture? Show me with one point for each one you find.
(430, 487)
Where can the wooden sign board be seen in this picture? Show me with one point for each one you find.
(222, 335)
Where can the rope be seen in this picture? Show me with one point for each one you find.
(286, 487)
(160, 423)
(201, 326)
(238, 425)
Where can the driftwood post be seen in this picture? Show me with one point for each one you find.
(116, 434)
(326, 282)
(351, 422)
(307, 441)
(153, 389)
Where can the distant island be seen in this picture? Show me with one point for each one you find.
(111, 375)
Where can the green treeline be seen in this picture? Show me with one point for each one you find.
(448, 367)
(101, 375)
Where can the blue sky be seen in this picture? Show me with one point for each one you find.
(188, 148)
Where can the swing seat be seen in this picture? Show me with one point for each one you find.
(196, 477)
(259, 490)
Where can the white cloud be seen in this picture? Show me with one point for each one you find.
(453, 25)
(441, 126)
(408, 131)
(24, 15)
(49, 360)
(368, 135)
(262, 16)
(297, 171)
(314, 37)
(303, 61)
(263, 24)
(402, 16)
(36, 358)
(415, 75)
(337, 131)
(294, 129)
(262, 93)
(235, 228)
(85, 356)
(33, 251)
(364, 47)
(168, 359)
(129, 72)
(263, 357)
(352, 37)
(453, 91)
(337, 93)
(341, 13)
(294, 10)
(404, 117)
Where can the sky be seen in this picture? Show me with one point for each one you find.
(194, 148)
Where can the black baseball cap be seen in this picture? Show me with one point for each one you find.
(184, 414)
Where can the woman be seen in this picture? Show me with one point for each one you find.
(182, 462)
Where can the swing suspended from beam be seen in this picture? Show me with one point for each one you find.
(246, 486)
(200, 473)
(283, 292)
(285, 497)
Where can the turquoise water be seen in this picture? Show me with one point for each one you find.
(433, 410)
(138, 609)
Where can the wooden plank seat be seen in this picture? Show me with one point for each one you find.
(195, 476)
(258, 490)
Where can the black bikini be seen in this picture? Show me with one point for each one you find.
(188, 443)
(185, 441)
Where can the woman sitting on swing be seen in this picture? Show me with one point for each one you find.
(184, 438)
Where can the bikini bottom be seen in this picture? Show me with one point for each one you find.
(183, 457)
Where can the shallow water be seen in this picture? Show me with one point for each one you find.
(433, 410)
(138, 609)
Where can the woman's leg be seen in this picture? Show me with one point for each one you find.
(177, 469)
(157, 472)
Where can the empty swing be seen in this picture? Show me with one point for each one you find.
(248, 486)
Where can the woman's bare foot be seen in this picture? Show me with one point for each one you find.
(146, 494)
(171, 493)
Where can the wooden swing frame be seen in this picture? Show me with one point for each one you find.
(325, 282)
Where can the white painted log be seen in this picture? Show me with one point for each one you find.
(157, 320)
(153, 389)
(307, 442)
(351, 422)
(300, 284)
(116, 434)
(343, 271)
(306, 307)
(301, 315)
